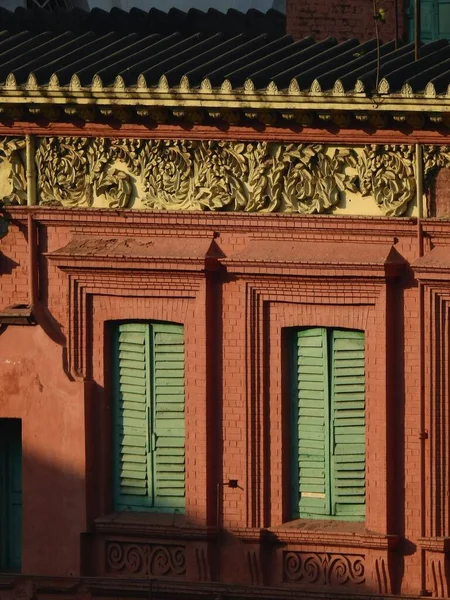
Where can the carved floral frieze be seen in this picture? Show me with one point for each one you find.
(13, 183)
(387, 173)
(435, 158)
(191, 175)
(323, 568)
(74, 171)
(218, 175)
(147, 560)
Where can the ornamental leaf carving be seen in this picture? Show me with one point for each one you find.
(222, 175)
(435, 158)
(73, 171)
(253, 177)
(166, 173)
(12, 171)
(116, 187)
(190, 175)
(128, 153)
(315, 180)
(386, 172)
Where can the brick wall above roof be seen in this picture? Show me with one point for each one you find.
(341, 19)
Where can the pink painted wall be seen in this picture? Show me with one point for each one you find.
(34, 388)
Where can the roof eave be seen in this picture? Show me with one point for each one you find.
(233, 100)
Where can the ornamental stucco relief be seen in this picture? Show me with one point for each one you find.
(190, 175)
(213, 175)
(387, 174)
(12, 170)
(435, 158)
(76, 171)
(146, 560)
(323, 568)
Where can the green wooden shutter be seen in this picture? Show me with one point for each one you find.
(131, 427)
(434, 20)
(310, 437)
(149, 417)
(348, 424)
(428, 29)
(443, 19)
(10, 494)
(168, 416)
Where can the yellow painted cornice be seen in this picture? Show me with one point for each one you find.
(246, 98)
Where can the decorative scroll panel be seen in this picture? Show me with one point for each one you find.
(146, 560)
(323, 568)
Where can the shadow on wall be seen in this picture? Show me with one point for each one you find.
(52, 513)
(7, 265)
(67, 515)
(67, 486)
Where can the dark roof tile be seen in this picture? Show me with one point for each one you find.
(251, 67)
(305, 72)
(56, 46)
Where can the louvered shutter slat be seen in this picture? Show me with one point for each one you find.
(169, 416)
(348, 423)
(133, 485)
(310, 470)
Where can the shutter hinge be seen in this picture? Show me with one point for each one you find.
(423, 435)
(154, 439)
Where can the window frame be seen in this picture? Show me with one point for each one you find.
(353, 310)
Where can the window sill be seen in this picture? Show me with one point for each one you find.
(330, 533)
(147, 524)
(309, 532)
(435, 544)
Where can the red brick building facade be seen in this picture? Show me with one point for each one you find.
(247, 218)
(344, 20)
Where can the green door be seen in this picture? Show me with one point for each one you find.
(10, 494)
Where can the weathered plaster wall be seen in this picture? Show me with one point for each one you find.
(34, 388)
